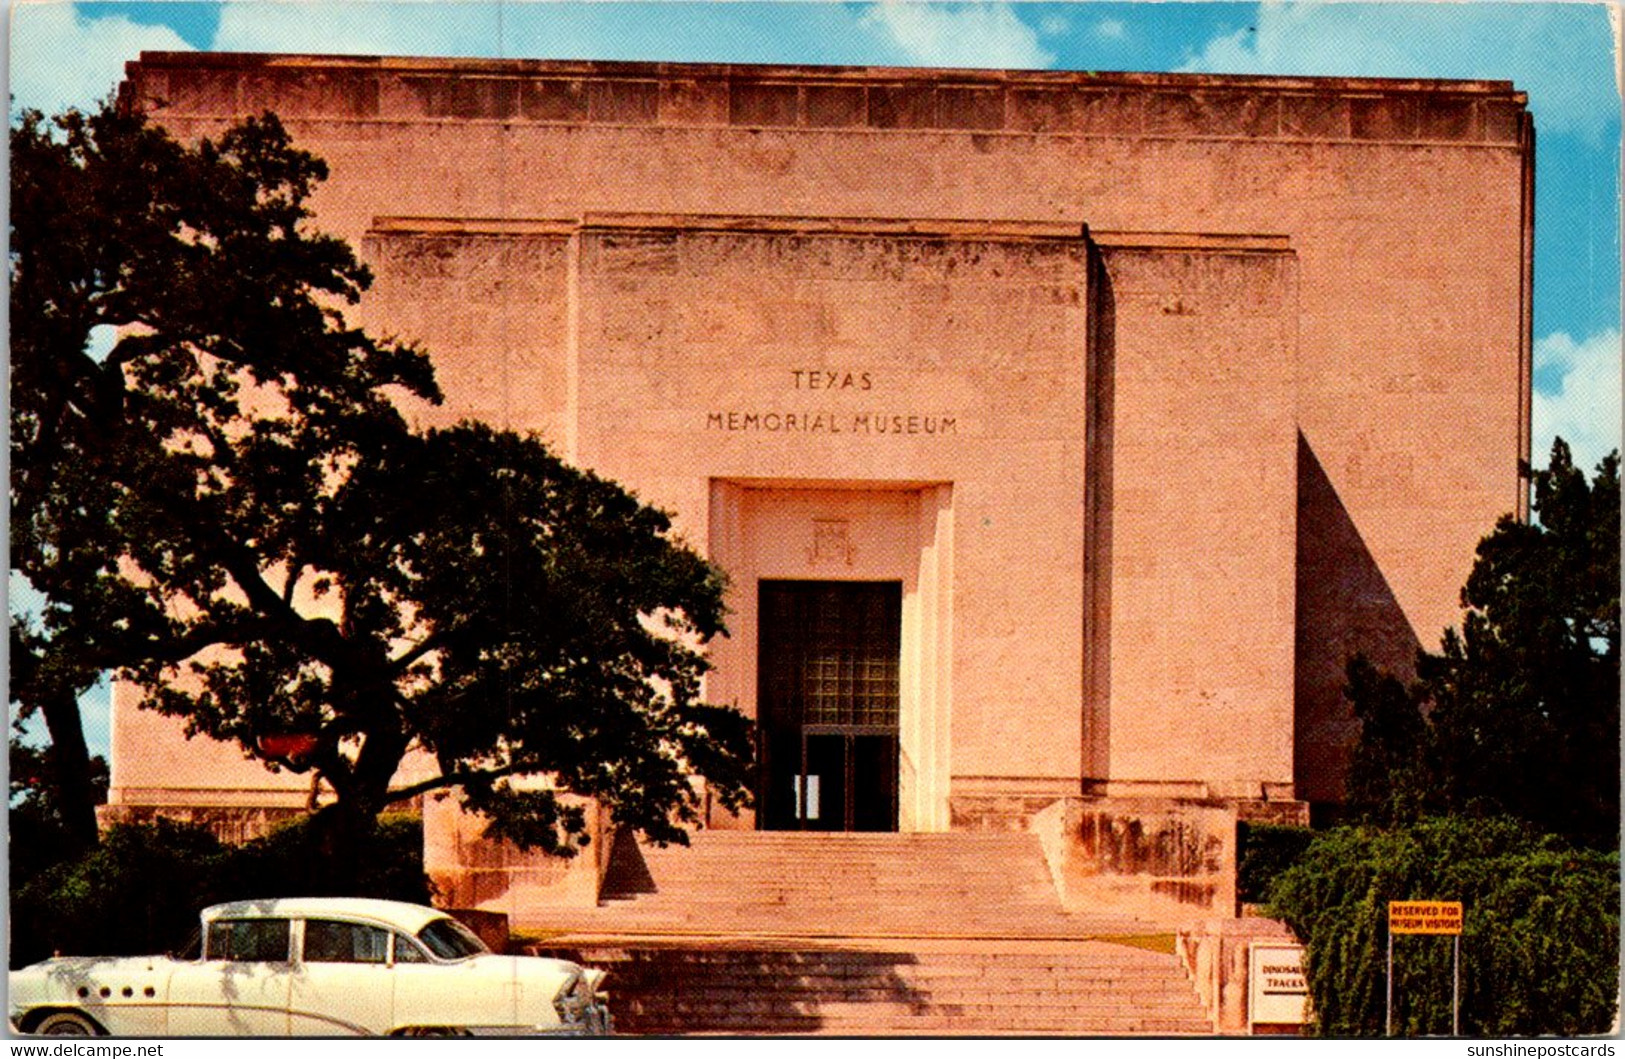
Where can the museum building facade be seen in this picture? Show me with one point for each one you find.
(1060, 434)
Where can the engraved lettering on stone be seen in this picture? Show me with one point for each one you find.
(821, 379)
(831, 542)
(832, 422)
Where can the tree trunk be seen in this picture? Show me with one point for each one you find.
(75, 794)
(345, 831)
(341, 834)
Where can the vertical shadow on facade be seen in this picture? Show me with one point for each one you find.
(1100, 366)
(1344, 606)
(626, 874)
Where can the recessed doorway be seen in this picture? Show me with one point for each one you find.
(828, 696)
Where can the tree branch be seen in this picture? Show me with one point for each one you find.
(430, 643)
(452, 779)
(177, 648)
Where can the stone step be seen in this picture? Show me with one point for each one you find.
(1011, 1021)
(852, 886)
(948, 907)
(950, 840)
(821, 926)
(946, 1027)
(935, 974)
(815, 982)
(741, 874)
(1106, 956)
(795, 872)
(813, 977)
(816, 961)
(756, 998)
(737, 921)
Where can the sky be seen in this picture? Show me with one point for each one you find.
(1562, 54)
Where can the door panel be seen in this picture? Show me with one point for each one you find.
(240, 987)
(826, 783)
(343, 983)
(874, 775)
(828, 702)
(229, 998)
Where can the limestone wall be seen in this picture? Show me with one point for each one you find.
(1310, 419)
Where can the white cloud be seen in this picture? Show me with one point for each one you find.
(1584, 405)
(975, 35)
(1562, 58)
(1110, 29)
(61, 60)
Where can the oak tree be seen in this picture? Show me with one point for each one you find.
(226, 506)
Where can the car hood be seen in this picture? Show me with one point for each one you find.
(524, 968)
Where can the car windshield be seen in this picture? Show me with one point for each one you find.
(450, 940)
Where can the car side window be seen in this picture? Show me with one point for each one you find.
(407, 951)
(193, 949)
(331, 941)
(243, 940)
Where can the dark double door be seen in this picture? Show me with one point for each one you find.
(828, 704)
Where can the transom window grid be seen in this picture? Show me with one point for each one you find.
(843, 641)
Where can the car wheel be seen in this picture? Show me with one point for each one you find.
(67, 1024)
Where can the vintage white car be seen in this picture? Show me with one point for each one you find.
(324, 966)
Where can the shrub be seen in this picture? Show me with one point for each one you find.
(1540, 940)
(138, 892)
(292, 861)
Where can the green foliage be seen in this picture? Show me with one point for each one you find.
(37, 834)
(1264, 851)
(140, 891)
(230, 511)
(1518, 713)
(291, 861)
(1540, 941)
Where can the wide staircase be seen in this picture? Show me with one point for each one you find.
(957, 934)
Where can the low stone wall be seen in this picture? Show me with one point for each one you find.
(1214, 952)
(470, 871)
(233, 824)
(491, 927)
(1169, 860)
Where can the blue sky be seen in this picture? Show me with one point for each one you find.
(65, 54)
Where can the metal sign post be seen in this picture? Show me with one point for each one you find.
(1426, 917)
(1455, 987)
(1388, 1019)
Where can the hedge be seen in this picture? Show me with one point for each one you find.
(139, 892)
(1264, 851)
(1539, 945)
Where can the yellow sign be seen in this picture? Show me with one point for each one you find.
(1424, 917)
